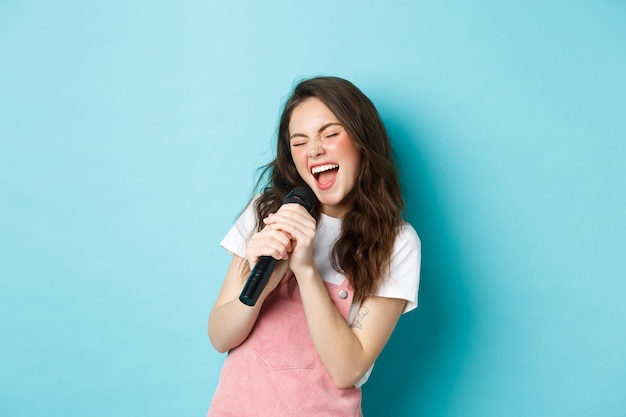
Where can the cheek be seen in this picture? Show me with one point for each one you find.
(353, 156)
(300, 160)
(356, 170)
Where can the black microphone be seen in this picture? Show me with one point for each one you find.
(263, 269)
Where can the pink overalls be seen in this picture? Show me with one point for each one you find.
(276, 371)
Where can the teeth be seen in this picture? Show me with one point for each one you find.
(322, 168)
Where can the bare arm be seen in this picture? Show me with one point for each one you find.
(347, 352)
(231, 321)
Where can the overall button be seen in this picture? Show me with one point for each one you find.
(343, 294)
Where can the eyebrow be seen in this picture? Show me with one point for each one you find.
(321, 129)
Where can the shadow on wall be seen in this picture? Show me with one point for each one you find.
(417, 371)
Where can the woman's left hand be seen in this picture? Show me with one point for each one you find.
(296, 222)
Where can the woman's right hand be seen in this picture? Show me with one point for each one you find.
(268, 242)
(274, 243)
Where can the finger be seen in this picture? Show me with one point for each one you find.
(299, 233)
(292, 228)
(296, 209)
(270, 242)
(296, 217)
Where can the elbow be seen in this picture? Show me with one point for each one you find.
(220, 347)
(345, 379)
(341, 385)
(222, 343)
(215, 341)
(347, 373)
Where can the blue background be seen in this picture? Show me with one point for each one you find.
(130, 136)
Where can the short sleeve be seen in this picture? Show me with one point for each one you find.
(404, 274)
(238, 235)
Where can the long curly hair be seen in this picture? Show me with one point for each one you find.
(363, 250)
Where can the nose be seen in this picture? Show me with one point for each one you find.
(315, 148)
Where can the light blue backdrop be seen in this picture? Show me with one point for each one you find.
(130, 133)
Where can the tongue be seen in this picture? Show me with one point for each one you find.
(327, 176)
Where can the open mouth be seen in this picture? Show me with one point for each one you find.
(325, 173)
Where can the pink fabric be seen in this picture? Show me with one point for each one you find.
(276, 372)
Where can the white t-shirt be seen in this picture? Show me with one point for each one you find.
(402, 281)
(404, 273)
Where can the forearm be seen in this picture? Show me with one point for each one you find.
(231, 321)
(337, 345)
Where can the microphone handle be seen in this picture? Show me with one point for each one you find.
(257, 280)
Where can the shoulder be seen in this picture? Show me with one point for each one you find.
(248, 219)
(236, 238)
(407, 240)
(402, 280)
(408, 232)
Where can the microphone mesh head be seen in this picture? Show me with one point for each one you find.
(303, 196)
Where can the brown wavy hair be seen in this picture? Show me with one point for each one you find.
(369, 229)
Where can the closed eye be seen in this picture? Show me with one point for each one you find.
(295, 144)
(330, 130)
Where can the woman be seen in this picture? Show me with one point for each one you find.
(345, 274)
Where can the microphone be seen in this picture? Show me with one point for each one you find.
(263, 269)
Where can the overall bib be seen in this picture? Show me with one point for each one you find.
(276, 371)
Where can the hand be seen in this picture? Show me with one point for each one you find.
(273, 243)
(268, 242)
(297, 224)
